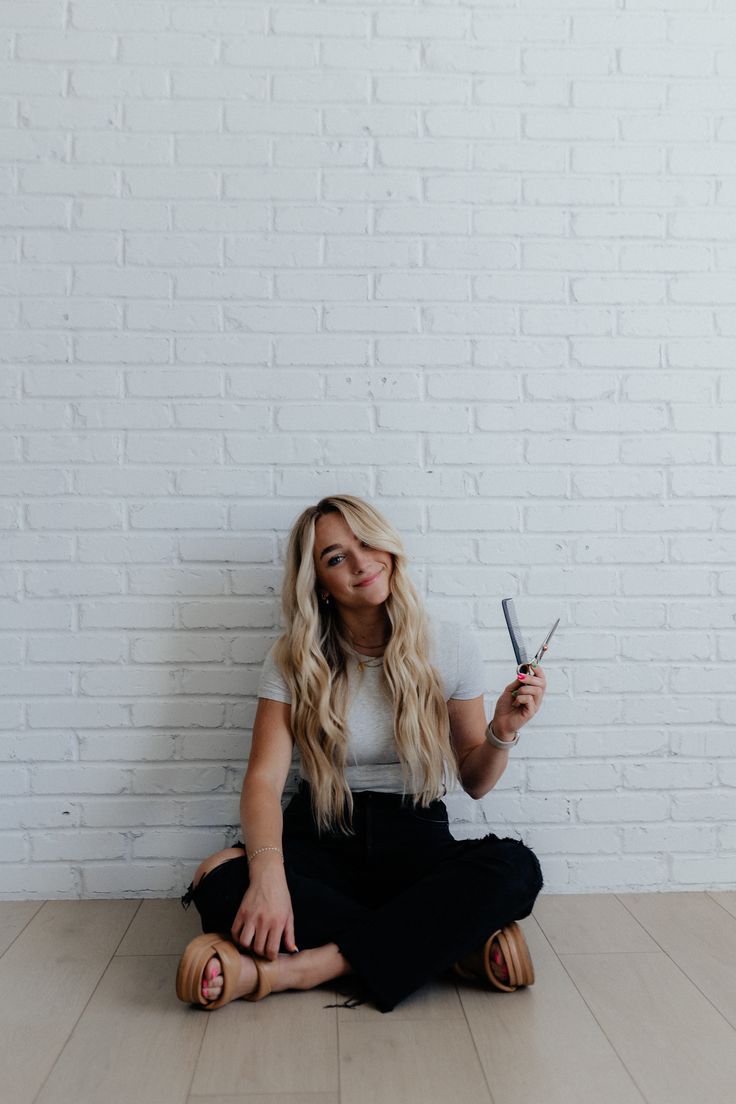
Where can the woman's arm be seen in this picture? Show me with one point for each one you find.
(265, 914)
(480, 764)
(265, 778)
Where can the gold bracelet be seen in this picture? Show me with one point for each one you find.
(259, 849)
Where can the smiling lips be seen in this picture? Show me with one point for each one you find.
(367, 582)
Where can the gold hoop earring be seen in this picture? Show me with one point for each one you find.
(326, 599)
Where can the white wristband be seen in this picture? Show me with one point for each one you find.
(494, 741)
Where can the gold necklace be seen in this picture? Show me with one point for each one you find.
(369, 661)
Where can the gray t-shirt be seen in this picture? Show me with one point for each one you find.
(373, 760)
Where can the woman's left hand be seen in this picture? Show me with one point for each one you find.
(518, 704)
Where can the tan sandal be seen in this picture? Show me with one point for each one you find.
(477, 965)
(198, 953)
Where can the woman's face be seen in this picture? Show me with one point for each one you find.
(354, 575)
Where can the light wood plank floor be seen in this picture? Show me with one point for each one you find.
(634, 1003)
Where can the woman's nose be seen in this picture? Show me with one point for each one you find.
(361, 559)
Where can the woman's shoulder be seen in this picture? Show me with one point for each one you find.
(455, 652)
(272, 683)
(444, 639)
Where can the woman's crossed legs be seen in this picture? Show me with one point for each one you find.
(304, 970)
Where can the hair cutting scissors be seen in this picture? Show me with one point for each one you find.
(523, 664)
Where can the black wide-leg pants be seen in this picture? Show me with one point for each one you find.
(401, 898)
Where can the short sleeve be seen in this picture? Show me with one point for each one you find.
(271, 684)
(471, 679)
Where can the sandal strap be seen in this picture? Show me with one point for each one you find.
(229, 957)
(505, 987)
(264, 968)
(523, 959)
(476, 966)
(511, 957)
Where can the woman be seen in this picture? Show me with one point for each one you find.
(360, 874)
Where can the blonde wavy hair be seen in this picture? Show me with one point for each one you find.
(312, 655)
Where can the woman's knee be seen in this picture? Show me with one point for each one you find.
(530, 871)
(217, 859)
(537, 878)
(527, 872)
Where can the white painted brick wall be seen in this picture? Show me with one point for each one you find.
(472, 259)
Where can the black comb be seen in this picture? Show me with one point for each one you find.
(517, 640)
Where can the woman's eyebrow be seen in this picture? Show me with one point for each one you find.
(330, 548)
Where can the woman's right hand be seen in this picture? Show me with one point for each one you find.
(265, 914)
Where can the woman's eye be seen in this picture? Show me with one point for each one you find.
(333, 559)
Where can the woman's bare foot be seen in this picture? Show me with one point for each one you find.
(302, 970)
(212, 978)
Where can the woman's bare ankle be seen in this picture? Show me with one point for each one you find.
(316, 965)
